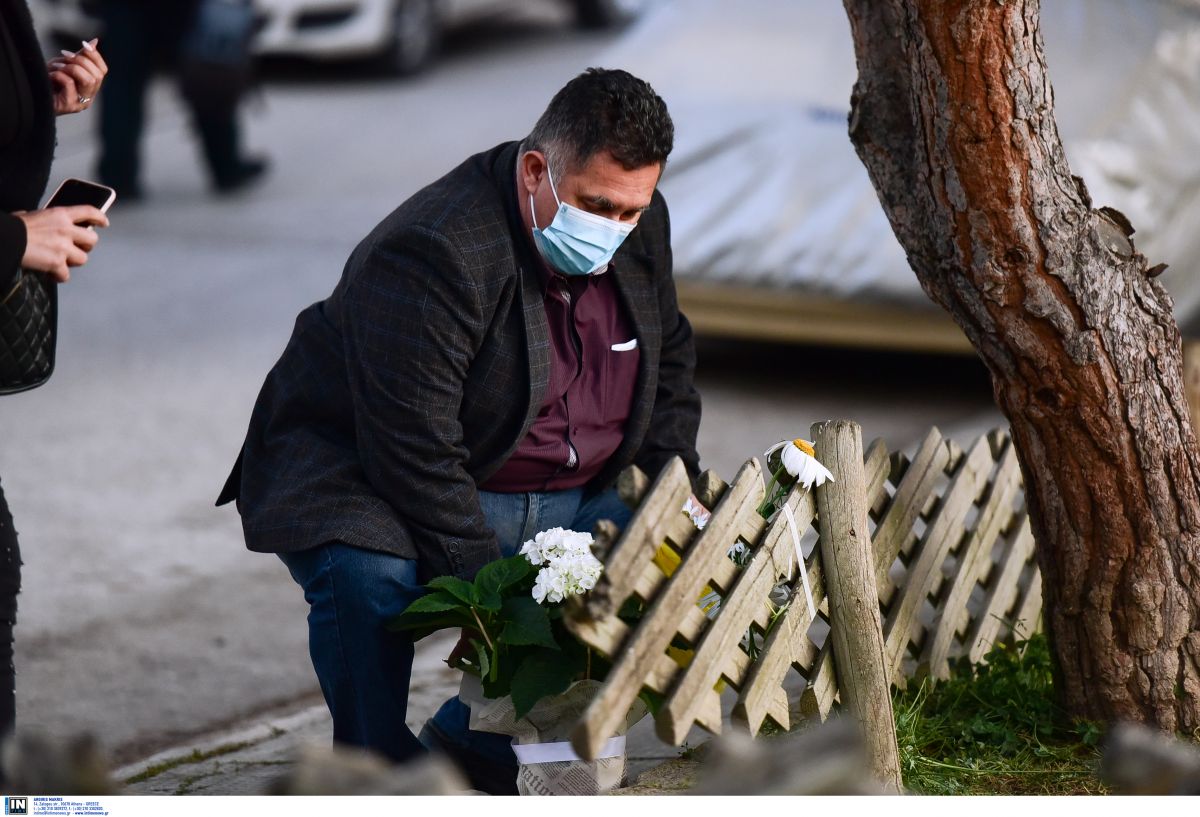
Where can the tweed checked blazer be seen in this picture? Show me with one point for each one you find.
(418, 377)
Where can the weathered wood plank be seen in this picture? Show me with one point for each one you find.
(787, 644)
(709, 489)
(855, 626)
(876, 467)
(925, 573)
(1028, 615)
(592, 620)
(632, 486)
(1001, 595)
(658, 626)
(821, 694)
(746, 602)
(641, 538)
(974, 560)
(920, 479)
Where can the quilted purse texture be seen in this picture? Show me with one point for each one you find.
(28, 324)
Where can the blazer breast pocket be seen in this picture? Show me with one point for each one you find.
(620, 380)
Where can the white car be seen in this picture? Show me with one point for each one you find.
(400, 35)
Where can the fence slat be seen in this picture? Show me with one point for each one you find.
(924, 573)
(746, 602)
(974, 561)
(895, 528)
(820, 695)
(1029, 611)
(787, 645)
(876, 468)
(1001, 595)
(658, 625)
(641, 538)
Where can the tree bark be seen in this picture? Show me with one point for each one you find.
(952, 115)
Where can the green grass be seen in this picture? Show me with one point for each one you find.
(196, 756)
(994, 728)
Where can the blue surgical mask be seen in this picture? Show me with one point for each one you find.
(577, 242)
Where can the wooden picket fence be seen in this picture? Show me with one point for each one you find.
(950, 550)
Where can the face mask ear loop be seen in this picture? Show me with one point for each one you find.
(553, 189)
(532, 211)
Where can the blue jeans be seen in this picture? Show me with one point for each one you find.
(363, 668)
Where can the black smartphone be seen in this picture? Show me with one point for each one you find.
(77, 191)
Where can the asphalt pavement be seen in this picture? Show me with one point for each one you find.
(143, 619)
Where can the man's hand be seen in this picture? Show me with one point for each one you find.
(463, 648)
(58, 238)
(76, 78)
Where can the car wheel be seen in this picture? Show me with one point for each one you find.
(414, 37)
(607, 13)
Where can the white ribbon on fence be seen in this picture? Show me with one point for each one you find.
(791, 519)
(529, 754)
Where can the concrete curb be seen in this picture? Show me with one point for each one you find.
(241, 760)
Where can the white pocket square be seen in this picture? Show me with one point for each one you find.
(626, 346)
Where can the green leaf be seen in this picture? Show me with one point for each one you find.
(461, 590)
(438, 602)
(503, 573)
(540, 675)
(423, 624)
(527, 623)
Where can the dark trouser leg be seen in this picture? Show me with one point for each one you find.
(604, 505)
(363, 668)
(129, 52)
(10, 585)
(219, 138)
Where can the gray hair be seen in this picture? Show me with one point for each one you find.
(603, 110)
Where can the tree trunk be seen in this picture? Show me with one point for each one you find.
(953, 117)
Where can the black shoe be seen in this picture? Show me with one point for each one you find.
(241, 175)
(484, 774)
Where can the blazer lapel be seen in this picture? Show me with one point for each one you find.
(537, 345)
(635, 282)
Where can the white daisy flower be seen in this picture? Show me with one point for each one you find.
(799, 459)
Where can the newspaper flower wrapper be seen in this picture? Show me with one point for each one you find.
(541, 740)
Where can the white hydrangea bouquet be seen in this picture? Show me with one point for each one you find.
(568, 566)
(529, 677)
(512, 612)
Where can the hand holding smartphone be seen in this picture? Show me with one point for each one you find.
(60, 235)
(74, 192)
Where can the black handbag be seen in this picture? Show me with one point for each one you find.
(28, 332)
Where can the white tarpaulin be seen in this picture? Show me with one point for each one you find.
(765, 188)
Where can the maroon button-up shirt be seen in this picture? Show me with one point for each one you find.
(593, 372)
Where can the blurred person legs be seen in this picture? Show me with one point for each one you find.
(131, 48)
(141, 36)
(215, 72)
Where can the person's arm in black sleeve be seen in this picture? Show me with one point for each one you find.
(12, 250)
(411, 324)
(676, 418)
